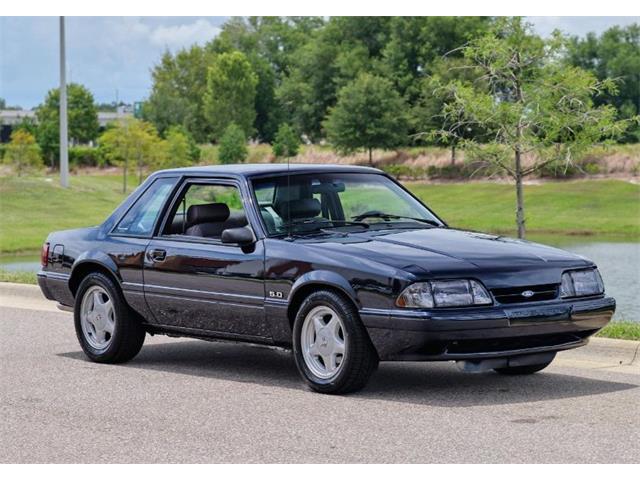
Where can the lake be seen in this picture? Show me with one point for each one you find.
(619, 264)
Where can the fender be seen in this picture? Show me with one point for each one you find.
(95, 257)
(324, 277)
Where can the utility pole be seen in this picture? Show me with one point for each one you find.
(64, 137)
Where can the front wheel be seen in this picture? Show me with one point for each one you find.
(107, 329)
(331, 347)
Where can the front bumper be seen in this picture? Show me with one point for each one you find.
(486, 332)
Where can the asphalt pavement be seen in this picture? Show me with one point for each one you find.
(185, 400)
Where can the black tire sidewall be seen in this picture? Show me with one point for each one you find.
(349, 318)
(108, 353)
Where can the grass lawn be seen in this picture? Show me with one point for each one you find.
(31, 207)
(585, 207)
(621, 330)
(18, 277)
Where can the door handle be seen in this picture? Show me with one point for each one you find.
(157, 255)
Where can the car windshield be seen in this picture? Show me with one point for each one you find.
(307, 203)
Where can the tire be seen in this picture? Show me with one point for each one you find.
(523, 369)
(356, 364)
(126, 335)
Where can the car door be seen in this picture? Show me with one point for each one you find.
(194, 282)
(128, 239)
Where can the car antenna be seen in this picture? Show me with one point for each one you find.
(288, 198)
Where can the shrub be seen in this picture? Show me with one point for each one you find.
(193, 149)
(23, 153)
(286, 143)
(177, 149)
(233, 145)
(83, 156)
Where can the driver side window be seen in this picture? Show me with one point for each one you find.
(206, 210)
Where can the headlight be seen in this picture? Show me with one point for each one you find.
(580, 283)
(446, 293)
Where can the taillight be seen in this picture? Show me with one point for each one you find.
(44, 255)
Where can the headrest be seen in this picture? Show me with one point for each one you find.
(207, 213)
(303, 208)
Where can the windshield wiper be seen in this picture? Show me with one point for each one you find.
(324, 222)
(389, 216)
(321, 224)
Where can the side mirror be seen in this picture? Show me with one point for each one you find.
(242, 236)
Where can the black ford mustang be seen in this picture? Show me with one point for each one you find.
(342, 264)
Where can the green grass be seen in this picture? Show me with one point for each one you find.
(584, 207)
(18, 277)
(621, 330)
(31, 207)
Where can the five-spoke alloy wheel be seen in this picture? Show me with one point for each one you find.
(97, 317)
(107, 329)
(331, 347)
(323, 342)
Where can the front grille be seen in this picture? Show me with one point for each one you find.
(535, 293)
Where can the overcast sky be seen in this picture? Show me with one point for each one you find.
(114, 55)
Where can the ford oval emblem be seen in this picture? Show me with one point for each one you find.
(527, 294)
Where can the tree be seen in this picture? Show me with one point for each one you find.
(426, 115)
(230, 95)
(533, 106)
(179, 149)
(287, 142)
(28, 124)
(179, 85)
(369, 114)
(4, 106)
(194, 149)
(83, 119)
(23, 152)
(615, 54)
(134, 141)
(329, 60)
(269, 44)
(233, 145)
(417, 44)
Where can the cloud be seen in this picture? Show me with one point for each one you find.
(579, 26)
(180, 36)
(112, 56)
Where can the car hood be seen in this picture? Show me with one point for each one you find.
(444, 252)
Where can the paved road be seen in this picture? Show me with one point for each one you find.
(192, 401)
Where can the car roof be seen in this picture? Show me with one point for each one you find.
(253, 169)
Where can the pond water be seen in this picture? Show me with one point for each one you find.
(619, 264)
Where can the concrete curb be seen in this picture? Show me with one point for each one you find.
(18, 295)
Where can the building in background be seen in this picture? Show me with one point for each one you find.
(10, 118)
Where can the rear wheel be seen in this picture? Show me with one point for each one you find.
(107, 329)
(332, 349)
(523, 369)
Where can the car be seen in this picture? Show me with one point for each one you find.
(340, 264)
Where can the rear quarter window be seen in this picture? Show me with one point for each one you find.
(142, 216)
